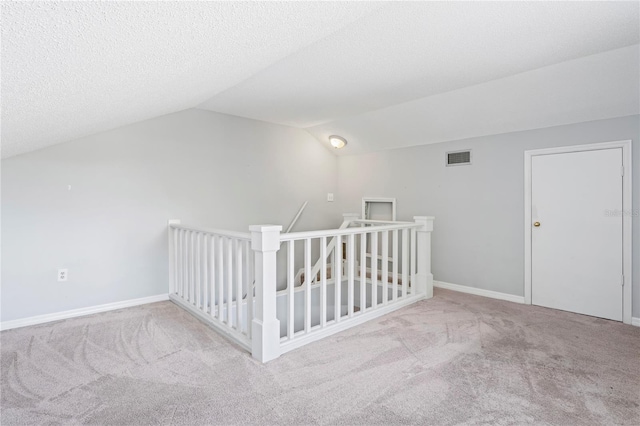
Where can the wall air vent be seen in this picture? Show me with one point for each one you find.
(459, 158)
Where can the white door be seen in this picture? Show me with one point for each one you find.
(576, 232)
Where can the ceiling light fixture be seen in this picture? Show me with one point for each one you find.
(337, 141)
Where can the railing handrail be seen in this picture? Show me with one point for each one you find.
(244, 236)
(379, 222)
(380, 225)
(347, 231)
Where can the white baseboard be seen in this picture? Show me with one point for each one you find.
(57, 316)
(495, 295)
(479, 292)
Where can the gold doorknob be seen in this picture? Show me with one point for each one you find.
(536, 224)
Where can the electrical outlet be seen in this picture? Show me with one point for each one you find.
(330, 197)
(63, 274)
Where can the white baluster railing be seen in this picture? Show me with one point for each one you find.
(365, 287)
(211, 275)
(375, 267)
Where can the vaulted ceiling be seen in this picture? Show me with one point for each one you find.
(382, 74)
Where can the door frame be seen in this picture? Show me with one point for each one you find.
(626, 215)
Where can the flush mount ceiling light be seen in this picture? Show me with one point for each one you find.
(337, 141)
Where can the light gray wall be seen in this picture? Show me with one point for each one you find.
(478, 236)
(110, 229)
(228, 172)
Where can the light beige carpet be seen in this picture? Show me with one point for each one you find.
(454, 359)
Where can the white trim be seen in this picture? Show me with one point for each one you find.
(366, 200)
(635, 321)
(479, 292)
(626, 219)
(289, 345)
(57, 316)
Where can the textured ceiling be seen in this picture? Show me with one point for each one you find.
(71, 69)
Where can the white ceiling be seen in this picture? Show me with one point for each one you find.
(360, 69)
(595, 87)
(71, 69)
(410, 50)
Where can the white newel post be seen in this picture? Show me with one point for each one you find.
(424, 277)
(265, 328)
(172, 255)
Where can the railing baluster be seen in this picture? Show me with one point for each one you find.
(220, 280)
(229, 270)
(396, 262)
(188, 257)
(198, 266)
(205, 274)
(249, 281)
(405, 261)
(374, 270)
(174, 243)
(337, 285)
(363, 272)
(307, 285)
(412, 267)
(238, 249)
(323, 282)
(181, 267)
(290, 287)
(185, 265)
(351, 260)
(385, 267)
(192, 280)
(212, 275)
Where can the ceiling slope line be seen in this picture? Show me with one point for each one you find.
(283, 58)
